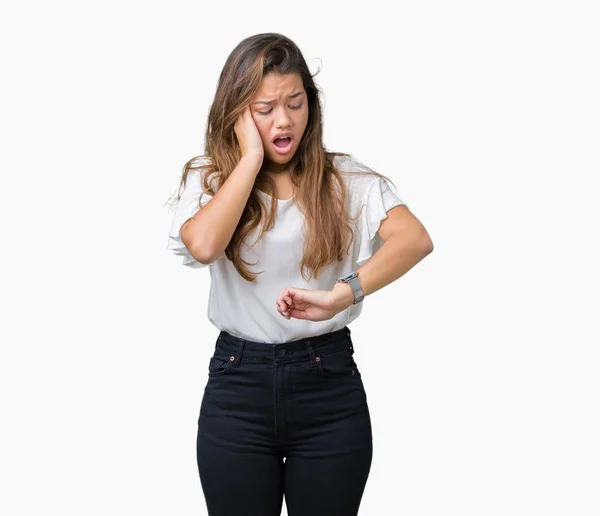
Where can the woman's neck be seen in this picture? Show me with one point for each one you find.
(275, 168)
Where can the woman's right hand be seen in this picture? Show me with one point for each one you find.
(248, 136)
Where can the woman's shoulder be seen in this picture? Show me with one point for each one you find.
(358, 177)
(198, 168)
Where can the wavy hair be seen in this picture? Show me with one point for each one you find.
(320, 192)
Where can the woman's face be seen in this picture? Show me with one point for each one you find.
(280, 106)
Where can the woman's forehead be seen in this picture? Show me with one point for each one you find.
(275, 85)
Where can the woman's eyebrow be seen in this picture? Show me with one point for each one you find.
(293, 95)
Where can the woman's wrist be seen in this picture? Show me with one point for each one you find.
(342, 296)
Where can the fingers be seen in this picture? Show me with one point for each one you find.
(284, 303)
(283, 310)
(288, 298)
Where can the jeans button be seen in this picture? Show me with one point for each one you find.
(281, 352)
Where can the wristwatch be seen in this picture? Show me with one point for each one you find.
(352, 279)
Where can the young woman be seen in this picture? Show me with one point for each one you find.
(294, 237)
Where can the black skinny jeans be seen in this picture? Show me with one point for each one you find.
(302, 401)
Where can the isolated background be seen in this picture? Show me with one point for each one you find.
(480, 365)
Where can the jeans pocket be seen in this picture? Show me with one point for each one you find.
(218, 366)
(337, 364)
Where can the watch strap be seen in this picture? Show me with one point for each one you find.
(352, 280)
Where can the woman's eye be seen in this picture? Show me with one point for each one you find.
(268, 112)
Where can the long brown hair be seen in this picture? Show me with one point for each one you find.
(320, 192)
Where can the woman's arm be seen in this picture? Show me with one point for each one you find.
(406, 243)
(209, 231)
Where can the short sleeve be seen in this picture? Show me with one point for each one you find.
(379, 199)
(191, 200)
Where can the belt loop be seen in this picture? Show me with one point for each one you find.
(311, 353)
(241, 343)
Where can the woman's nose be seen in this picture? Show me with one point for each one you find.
(282, 119)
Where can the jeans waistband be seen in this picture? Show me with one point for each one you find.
(240, 349)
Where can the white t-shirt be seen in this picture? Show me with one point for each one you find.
(248, 309)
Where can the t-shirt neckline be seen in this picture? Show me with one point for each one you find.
(278, 200)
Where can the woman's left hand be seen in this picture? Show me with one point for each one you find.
(314, 305)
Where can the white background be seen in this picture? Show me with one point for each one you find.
(480, 365)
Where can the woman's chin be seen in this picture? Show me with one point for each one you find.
(279, 159)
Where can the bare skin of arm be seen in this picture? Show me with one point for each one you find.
(208, 233)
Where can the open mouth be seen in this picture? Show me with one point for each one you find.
(283, 145)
